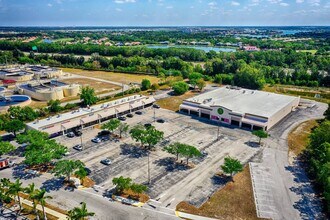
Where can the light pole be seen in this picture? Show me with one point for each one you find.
(148, 167)
(218, 130)
(81, 142)
(154, 114)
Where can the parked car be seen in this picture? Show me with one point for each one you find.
(147, 125)
(129, 115)
(105, 138)
(96, 140)
(88, 171)
(103, 133)
(106, 161)
(32, 172)
(70, 134)
(122, 118)
(78, 133)
(4, 163)
(139, 113)
(156, 106)
(78, 147)
(160, 120)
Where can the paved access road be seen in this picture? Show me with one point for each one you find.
(283, 191)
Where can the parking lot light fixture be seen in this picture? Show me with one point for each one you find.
(81, 141)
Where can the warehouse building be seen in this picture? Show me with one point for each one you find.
(244, 108)
(86, 117)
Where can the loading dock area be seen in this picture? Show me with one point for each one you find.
(244, 108)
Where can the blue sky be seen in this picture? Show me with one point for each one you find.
(163, 12)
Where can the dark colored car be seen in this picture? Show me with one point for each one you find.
(103, 133)
(160, 120)
(70, 134)
(129, 115)
(147, 125)
(156, 106)
(77, 133)
(105, 138)
(122, 118)
(88, 171)
(138, 113)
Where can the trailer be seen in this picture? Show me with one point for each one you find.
(5, 163)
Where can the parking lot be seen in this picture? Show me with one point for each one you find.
(171, 182)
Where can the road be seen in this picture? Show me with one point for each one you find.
(290, 193)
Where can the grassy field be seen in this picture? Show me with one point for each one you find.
(308, 51)
(303, 92)
(112, 76)
(298, 137)
(173, 102)
(234, 201)
(64, 40)
(99, 87)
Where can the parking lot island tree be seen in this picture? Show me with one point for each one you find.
(14, 126)
(80, 213)
(153, 136)
(138, 188)
(260, 134)
(121, 184)
(88, 96)
(67, 168)
(81, 173)
(6, 147)
(32, 136)
(175, 149)
(123, 129)
(231, 166)
(189, 151)
(111, 125)
(15, 188)
(4, 185)
(40, 197)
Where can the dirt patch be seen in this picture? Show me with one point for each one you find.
(112, 76)
(298, 137)
(234, 201)
(173, 102)
(141, 197)
(87, 182)
(98, 86)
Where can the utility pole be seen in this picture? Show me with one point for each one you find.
(81, 142)
(154, 114)
(148, 167)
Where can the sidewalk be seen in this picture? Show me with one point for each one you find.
(60, 216)
(192, 217)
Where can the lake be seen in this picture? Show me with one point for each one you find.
(205, 48)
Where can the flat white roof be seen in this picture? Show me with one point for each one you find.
(87, 112)
(244, 101)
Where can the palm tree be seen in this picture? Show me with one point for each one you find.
(31, 191)
(14, 189)
(80, 213)
(40, 197)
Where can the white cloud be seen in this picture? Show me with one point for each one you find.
(49, 5)
(118, 9)
(235, 3)
(212, 4)
(299, 1)
(284, 4)
(314, 2)
(169, 7)
(124, 1)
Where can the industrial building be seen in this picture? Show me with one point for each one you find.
(48, 90)
(86, 117)
(244, 108)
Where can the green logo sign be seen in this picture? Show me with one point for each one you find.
(220, 111)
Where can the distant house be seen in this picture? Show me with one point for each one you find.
(250, 48)
(136, 43)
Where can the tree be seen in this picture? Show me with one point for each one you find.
(111, 125)
(32, 136)
(180, 88)
(175, 148)
(189, 151)
(123, 128)
(231, 166)
(154, 86)
(121, 184)
(138, 188)
(5, 147)
(40, 197)
(14, 189)
(54, 106)
(260, 134)
(88, 96)
(145, 84)
(327, 112)
(4, 184)
(137, 133)
(14, 126)
(67, 167)
(149, 135)
(201, 84)
(194, 77)
(81, 173)
(80, 213)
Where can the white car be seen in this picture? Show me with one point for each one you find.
(106, 161)
(96, 140)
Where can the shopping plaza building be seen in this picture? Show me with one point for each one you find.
(86, 117)
(244, 108)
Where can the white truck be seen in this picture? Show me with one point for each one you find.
(4, 163)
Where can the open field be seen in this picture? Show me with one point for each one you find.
(234, 201)
(298, 137)
(172, 103)
(98, 86)
(303, 92)
(112, 76)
